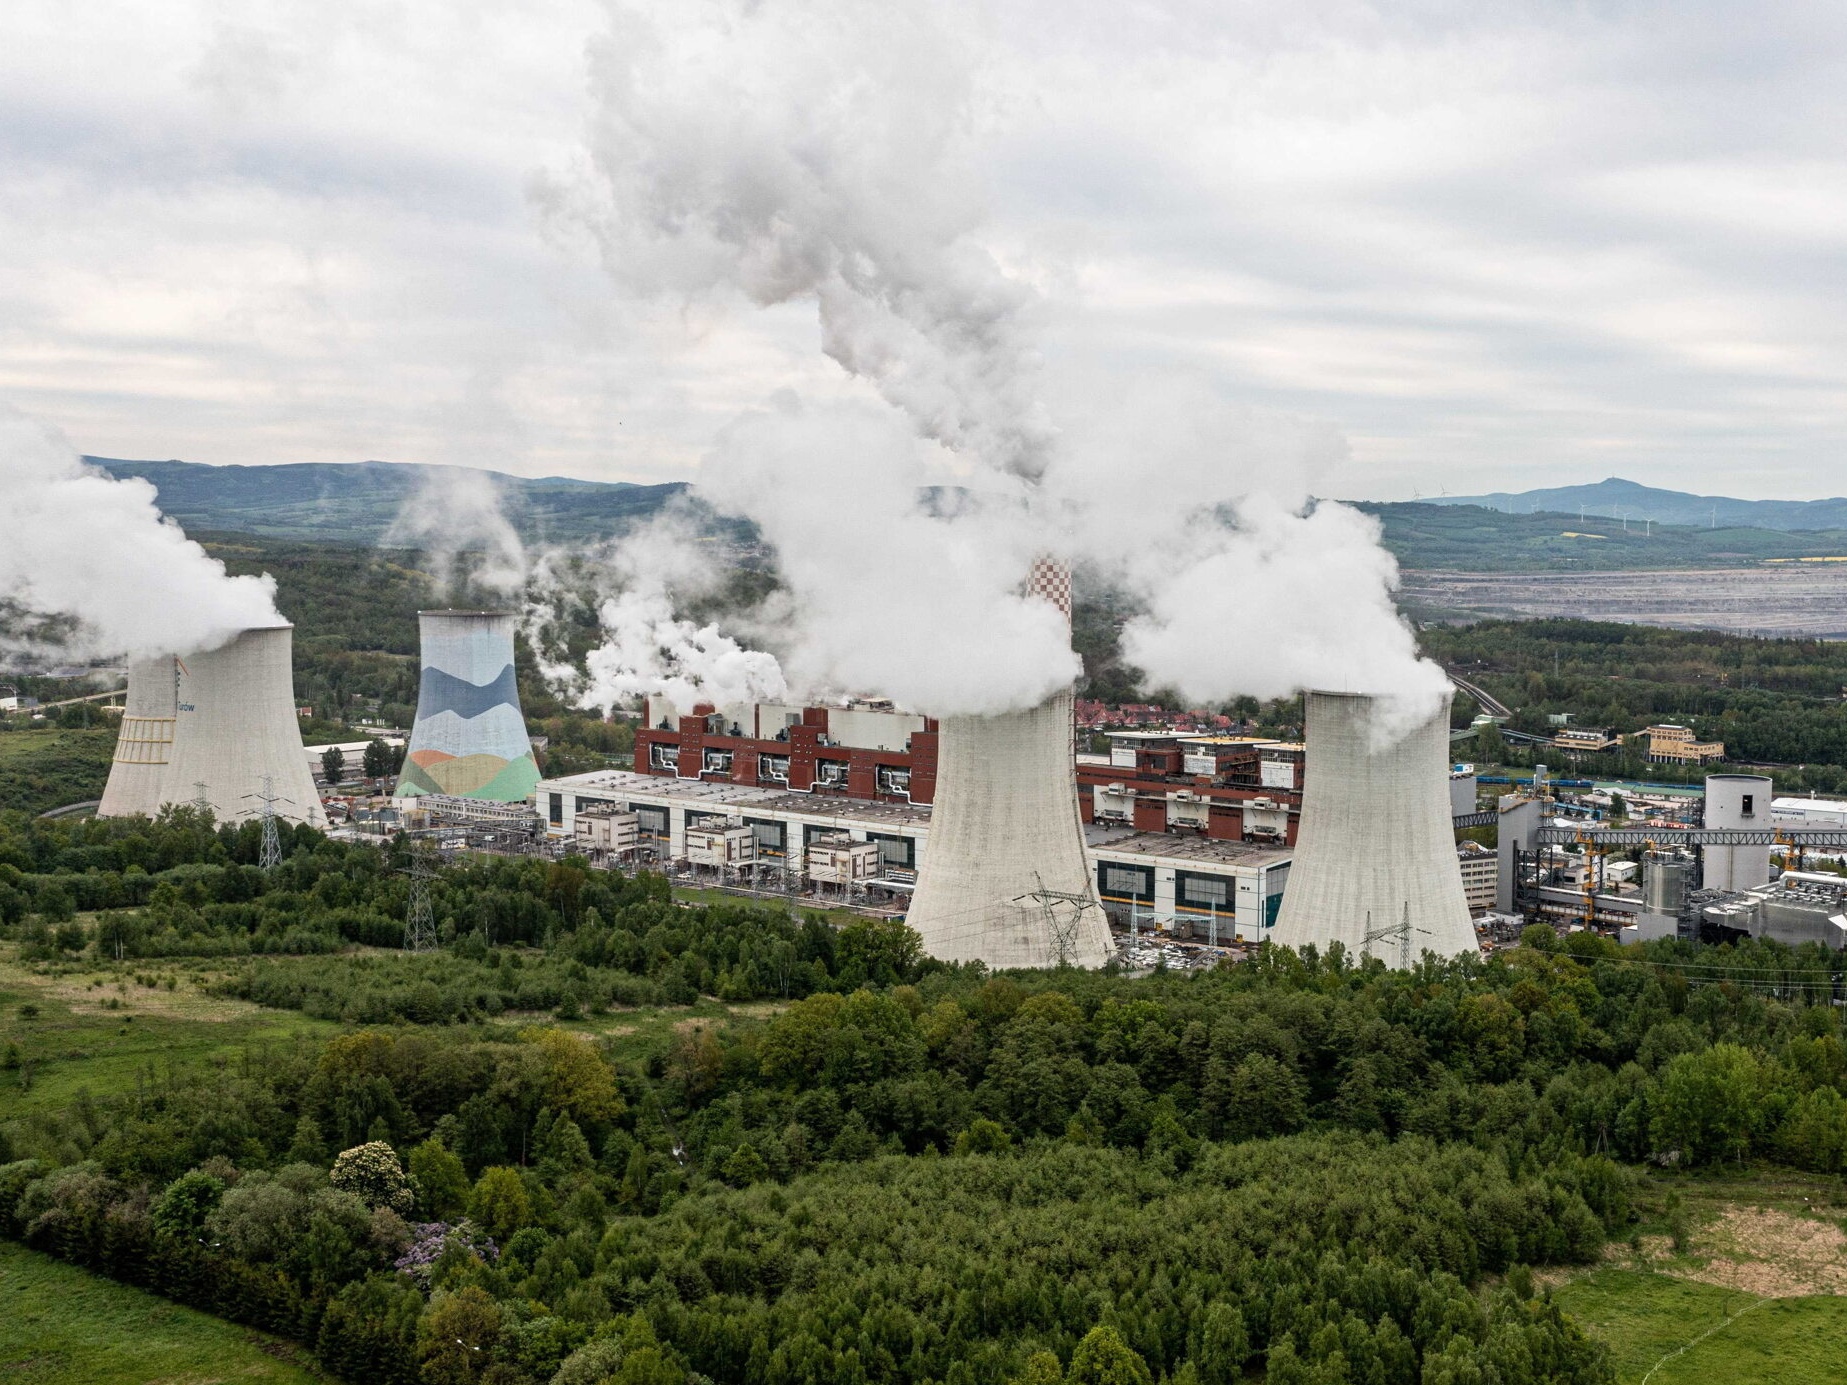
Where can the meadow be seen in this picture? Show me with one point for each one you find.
(61, 1326)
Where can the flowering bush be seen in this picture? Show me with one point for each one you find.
(431, 1240)
(372, 1173)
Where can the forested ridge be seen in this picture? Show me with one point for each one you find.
(903, 1171)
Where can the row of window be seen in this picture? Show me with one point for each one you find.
(774, 769)
(1126, 884)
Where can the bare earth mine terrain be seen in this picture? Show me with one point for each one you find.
(1797, 599)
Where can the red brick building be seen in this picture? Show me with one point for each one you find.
(1225, 788)
(862, 749)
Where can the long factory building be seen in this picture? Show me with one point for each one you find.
(1226, 788)
(1191, 881)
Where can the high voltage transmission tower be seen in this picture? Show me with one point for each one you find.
(419, 922)
(200, 799)
(1060, 927)
(270, 855)
(1401, 931)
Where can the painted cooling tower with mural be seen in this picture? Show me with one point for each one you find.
(470, 738)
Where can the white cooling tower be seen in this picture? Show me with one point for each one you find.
(145, 743)
(1004, 878)
(1737, 802)
(234, 725)
(1377, 844)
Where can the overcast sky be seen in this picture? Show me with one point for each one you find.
(1495, 246)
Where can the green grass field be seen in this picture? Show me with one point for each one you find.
(1646, 1318)
(76, 1042)
(61, 1326)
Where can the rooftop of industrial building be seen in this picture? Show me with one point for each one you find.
(1812, 805)
(697, 793)
(1173, 847)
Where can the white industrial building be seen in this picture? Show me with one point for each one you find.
(1808, 812)
(1192, 885)
(1375, 861)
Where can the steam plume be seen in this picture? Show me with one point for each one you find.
(452, 511)
(83, 545)
(824, 153)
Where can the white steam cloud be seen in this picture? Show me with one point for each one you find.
(823, 152)
(453, 511)
(95, 550)
(649, 649)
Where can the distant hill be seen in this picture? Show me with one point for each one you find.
(1470, 538)
(356, 502)
(1614, 498)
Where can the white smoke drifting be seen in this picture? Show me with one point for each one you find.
(823, 152)
(81, 544)
(453, 511)
(649, 649)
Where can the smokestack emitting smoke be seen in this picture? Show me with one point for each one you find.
(83, 545)
(825, 153)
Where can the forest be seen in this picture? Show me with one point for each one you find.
(1774, 702)
(894, 1170)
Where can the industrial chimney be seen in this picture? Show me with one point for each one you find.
(470, 738)
(1004, 879)
(1377, 844)
(235, 735)
(145, 743)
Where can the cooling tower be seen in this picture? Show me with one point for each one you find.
(145, 742)
(1376, 840)
(235, 727)
(1005, 838)
(469, 739)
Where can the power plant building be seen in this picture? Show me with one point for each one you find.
(1190, 886)
(469, 739)
(236, 736)
(1375, 866)
(144, 744)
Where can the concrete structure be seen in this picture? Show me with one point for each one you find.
(607, 832)
(235, 726)
(1737, 801)
(839, 860)
(1676, 745)
(469, 740)
(1464, 790)
(1378, 845)
(144, 744)
(1006, 882)
(1800, 907)
(1187, 885)
(1480, 876)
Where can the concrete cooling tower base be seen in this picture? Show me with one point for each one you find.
(144, 744)
(235, 729)
(1005, 840)
(469, 739)
(1377, 845)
